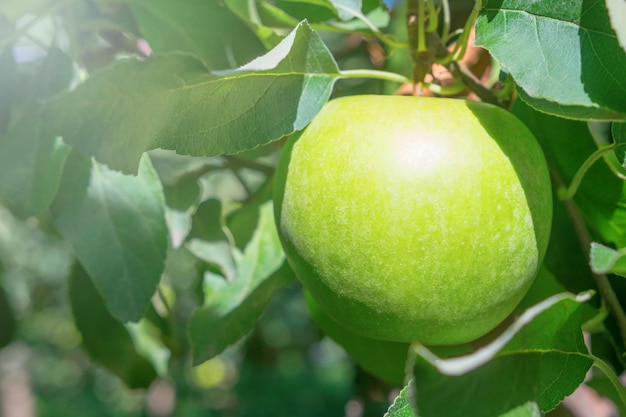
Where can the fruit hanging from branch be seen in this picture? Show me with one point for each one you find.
(414, 219)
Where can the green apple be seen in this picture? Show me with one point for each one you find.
(414, 219)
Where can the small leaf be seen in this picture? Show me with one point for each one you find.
(116, 226)
(173, 102)
(232, 308)
(105, 339)
(564, 58)
(604, 260)
(206, 223)
(31, 163)
(542, 356)
(401, 406)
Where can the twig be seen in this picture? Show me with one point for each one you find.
(601, 280)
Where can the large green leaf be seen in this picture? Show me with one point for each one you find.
(232, 308)
(542, 357)
(206, 29)
(173, 102)
(116, 226)
(105, 339)
(565, 56)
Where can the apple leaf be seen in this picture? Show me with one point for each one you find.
(401, 406)
(206, 29)
(606, 260)
(31, 163)
(232, 308)
(542, 355)
(116, 226)
(601, 196)
(105, 339)
(172, 102)
(567, 60)
(617, 15)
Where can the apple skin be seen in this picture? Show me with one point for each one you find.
(414, 219)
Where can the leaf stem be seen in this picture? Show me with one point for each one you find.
(375, 74)
(610, 374)
(567, 193)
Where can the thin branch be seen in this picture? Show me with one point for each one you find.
(585, 239)
(239, 162)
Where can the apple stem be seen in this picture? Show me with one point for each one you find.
(584, 237)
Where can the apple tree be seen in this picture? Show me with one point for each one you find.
(144, 200)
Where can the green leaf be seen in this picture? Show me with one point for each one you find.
(542, 356)
(206, 222)
(401, 406)
(601, 196)
(618, 131)
(564, 58)
(54, 74)
(7, 320)
(617, 15)
(172, 102)
(606, 260)
(206, 29)
(183, 194)
(116, 226)
(105, 339)
(31, 163)
(248, 12)
(528, 409)
(243, 221)
(232, 308)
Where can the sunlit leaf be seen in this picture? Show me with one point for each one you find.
(173, 102)
(232, 308)
(606, 260)
(115, 224)
(565, 58)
